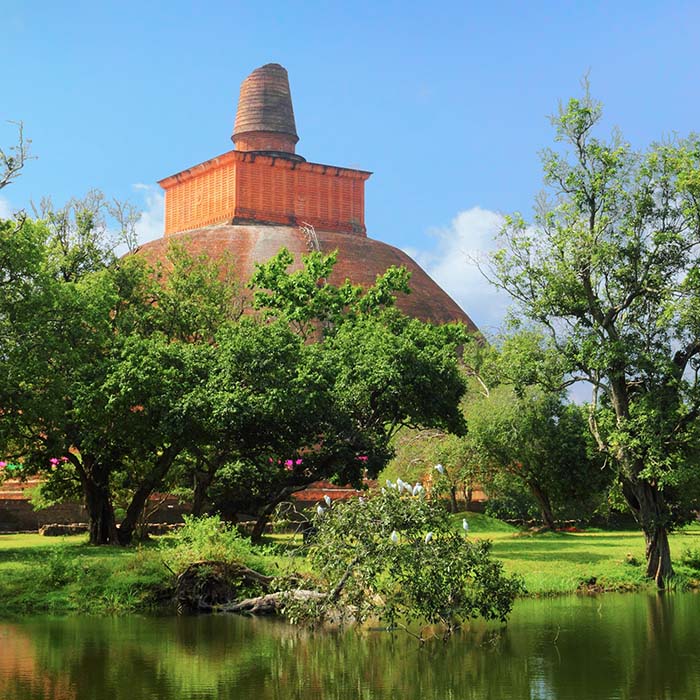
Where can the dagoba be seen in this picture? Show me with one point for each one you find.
(262, 195)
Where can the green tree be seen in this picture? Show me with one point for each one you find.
(98, 386)
(395, 557)
(609, 269)
(540, 442)
(332, 388)
(323, 410)
(418, 454)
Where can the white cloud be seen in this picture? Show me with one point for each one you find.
(453, 264)
(151, 224)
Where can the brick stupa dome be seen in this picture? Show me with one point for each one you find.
(250, 202)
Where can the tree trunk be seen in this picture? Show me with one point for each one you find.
(468, 493)
(153, 480)
(202, 481)
(98, 502)
(453, 499)
(545, 505)
(651, 512)
(266, 513)
(259, 527)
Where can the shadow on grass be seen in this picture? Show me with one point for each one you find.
(38, 553)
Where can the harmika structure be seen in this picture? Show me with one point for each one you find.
(261, 196)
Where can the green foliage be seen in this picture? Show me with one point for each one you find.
(206, 539)
(509, 499)
(102, 362)
(397, 558)
(533, 438)
(117, 379)
(691, 557)
(293, 412)
(305, 298)
(608, 271)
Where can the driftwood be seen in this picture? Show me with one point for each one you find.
(214, 586)
(270, 604)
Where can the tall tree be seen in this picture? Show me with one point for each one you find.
(610, 269)
(100, 360)
(329, 386)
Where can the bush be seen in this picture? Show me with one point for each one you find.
(691, 558)
(207, 539)
(397, 558)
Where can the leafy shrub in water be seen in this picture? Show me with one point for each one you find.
(396, 557)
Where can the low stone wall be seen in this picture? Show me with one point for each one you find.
(17, 515)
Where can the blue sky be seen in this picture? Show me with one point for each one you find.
(446, 102)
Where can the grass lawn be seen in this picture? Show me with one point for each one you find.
(559, 562)
(65, 575)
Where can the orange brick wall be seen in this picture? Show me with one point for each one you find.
(242, 187)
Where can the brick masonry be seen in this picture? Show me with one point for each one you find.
(238, 187)
(360, 259)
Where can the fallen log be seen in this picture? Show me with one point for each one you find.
(271, 603)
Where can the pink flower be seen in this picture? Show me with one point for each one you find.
(54, 461)
(298, 461)
(3, 465)
(64, 459)
(362, 458)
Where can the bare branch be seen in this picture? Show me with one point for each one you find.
(12, 160)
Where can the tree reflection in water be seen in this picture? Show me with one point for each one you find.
(631, 646)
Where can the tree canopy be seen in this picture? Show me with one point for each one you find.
(609, 269)
(396, 557)
(114, 376)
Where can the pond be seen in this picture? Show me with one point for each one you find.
(630, 646)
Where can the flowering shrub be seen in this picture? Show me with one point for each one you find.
(395, 557)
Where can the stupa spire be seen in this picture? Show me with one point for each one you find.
(265, 116)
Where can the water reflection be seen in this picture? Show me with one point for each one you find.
(623, 647)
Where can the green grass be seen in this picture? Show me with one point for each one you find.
(553, 563)
(67, 576)
(482, 524)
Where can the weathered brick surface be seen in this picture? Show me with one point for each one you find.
(253, 187)
(360, 259)
(265, 116)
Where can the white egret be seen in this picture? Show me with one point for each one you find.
(428, 538)
(417, 489)
(327, 499)
(465, 525)
(320, 509)
(440, 468)
(394, 536)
